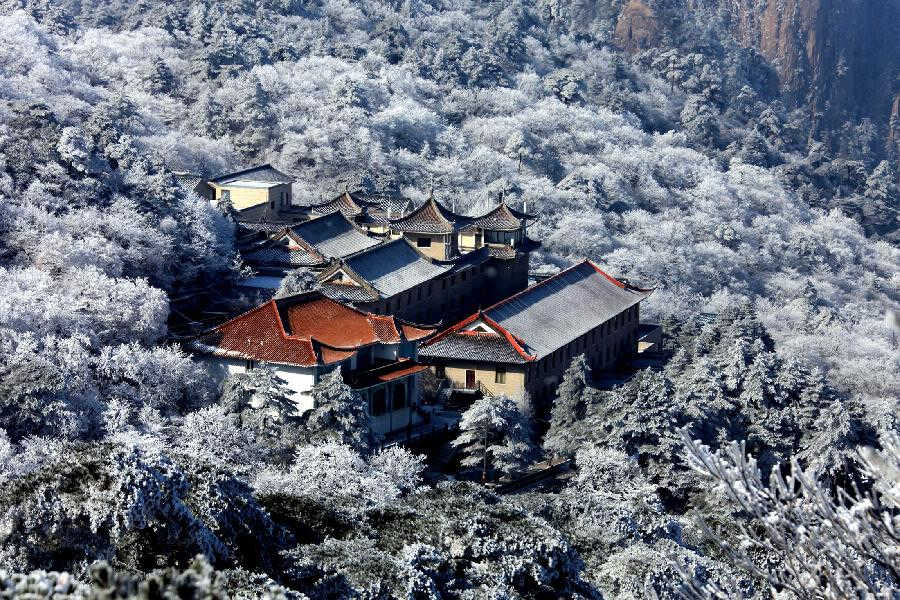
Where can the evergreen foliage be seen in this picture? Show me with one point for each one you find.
(496, 437)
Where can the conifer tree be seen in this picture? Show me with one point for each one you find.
(568, 408)
(297, 282)
(496, 436)
(339, 414)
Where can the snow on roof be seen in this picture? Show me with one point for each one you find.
(334, 236)
(306, 330)
(542, 318)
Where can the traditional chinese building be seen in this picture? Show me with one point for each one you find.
(524, 344)
(260, 196)
(312, 244)
(432, 228)
(502, 226)
(368, 212)
(395, 278)
(307, 336)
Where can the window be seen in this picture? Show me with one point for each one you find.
(423, 242)
(399, 396)
(379, 402)
(440, 372)
(500, 375)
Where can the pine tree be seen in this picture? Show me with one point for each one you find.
(258, 389)
(495, 435)
(569, 408)
(297, 282)
(339, 414)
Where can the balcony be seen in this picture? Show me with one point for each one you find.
(402, 368)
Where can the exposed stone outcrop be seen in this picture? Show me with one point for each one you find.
(838, 58)
(637, 27)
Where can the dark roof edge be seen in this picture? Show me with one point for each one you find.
(289, 179)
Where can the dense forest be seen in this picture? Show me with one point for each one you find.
(760, 461)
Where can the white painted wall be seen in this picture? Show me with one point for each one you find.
(300, 380)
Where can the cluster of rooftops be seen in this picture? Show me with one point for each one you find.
(383, 264)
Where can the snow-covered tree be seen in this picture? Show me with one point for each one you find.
(816, 541)
(332, 473)
(338, 414)
(496, 436)
(569, 407)
(296, 282)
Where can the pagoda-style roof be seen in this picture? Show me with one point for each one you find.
(334, 236)
(346, 203)
(501, 218)
(431, 217)
(308, 329)
(262, 174)
(539, 320)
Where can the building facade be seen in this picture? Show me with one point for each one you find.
(307, 336)
(523, 344)
(257, 187)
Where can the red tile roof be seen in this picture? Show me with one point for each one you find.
(396, 370)
(307, 329)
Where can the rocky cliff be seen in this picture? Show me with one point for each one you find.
(839, 59)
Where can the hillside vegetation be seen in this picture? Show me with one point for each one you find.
(772, 248)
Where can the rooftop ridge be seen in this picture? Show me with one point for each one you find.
(502, 332)
(584, 261)
(248, 170)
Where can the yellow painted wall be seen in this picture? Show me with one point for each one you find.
(439, 248)
(243, 197)
(467, 242)
(515, 380)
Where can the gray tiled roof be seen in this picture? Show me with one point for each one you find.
(487, 347)
(264, 172)
(260, 217)
(431, 217)
(501, 218)
(394, 267)
(334, 236)
(281, 256)
(550, 314)
(349, 204)
(347, 293)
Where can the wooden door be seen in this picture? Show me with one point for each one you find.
(470, 379)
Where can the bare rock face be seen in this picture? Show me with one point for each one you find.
(637, 27)
(894, 134)
(839, 58)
